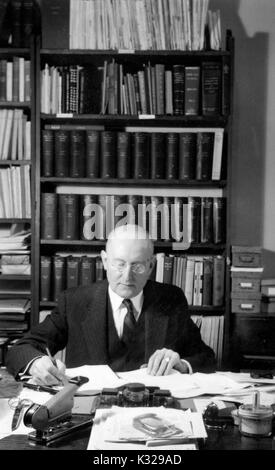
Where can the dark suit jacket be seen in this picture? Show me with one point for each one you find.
(79, 324)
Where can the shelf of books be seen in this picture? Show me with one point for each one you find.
(135, 132)
(16, 136)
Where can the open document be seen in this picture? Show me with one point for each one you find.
(139, 428)
(180, 385)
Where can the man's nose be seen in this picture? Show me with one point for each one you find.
(128, 273)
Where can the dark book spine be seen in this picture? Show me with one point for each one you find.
(124, 155)
(16, 20)
(72, 271)
(157, 155)
(49, 216)
(77, 154)
(89, 216)
(144, 213)
(108, 154)
(134, 202)
(55, 24)
(61, 153)
(187, 155)
(195, 218)
(171, 170)
(27, 22)
(45, 278)
(15, 79)
(207, 282)
(59, 273)
(211, 88)
(226, 85)
(218, 280)
(3, 80)
(160, 88)
(92, 153)
(205, 147)
(101, 220)
(206, 220)
(178, 89)
(141, 155)
(87, 271)
(192, 91)
(47, 153)
(219, 220)
(168, 269)
(68, 217)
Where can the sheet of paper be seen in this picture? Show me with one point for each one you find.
(99, 377)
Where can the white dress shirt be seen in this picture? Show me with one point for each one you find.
(120, 310)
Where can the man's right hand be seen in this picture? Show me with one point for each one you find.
(44, 372)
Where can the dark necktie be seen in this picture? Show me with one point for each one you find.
(129, 321)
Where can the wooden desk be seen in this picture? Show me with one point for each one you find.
(228, 439)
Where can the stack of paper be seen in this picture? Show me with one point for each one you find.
(119, 428)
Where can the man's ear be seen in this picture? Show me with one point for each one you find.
(104, 259)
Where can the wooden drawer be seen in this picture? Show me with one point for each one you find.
(255, 336)
(245, 284)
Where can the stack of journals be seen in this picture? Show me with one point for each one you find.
(15, 264)
(14, 316)
(268, 296)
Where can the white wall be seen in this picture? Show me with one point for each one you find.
(253, 163)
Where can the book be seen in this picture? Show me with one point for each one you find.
(157, 167)
(87, 270)
(187, 155)
(135, 209)
(55, 24)
(194, 204)
(72, 271)
(61, 153)
(77, 153)
(68, 220)
(217, 154)
(19, 305)
(47, 137)
(211, 88)
(206, 220)
(205, 146)
(16, 21)
(207, 281)
(58, 274)
(124, 164)
(49, 216)
(192, 91)
(28, 21)
(4, 22)
(178, 89)
(219, 219)
(171, 168)
(218, 280)
(108, 163)
(45, 278)
(92, 153)
(141, 159)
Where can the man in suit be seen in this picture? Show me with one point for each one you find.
(126, 321)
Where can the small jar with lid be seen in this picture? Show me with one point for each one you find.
(256, 422)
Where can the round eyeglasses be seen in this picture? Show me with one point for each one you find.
(137, 268)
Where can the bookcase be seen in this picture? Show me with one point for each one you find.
(142, 136)
(17, 110)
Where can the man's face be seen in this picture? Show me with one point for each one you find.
(124, 262)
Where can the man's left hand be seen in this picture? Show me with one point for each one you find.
(163, 361)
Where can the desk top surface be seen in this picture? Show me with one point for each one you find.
(227, 439)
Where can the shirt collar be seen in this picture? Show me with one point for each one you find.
(116, 300)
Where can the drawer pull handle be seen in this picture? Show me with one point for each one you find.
(246, 285)
(247, 306)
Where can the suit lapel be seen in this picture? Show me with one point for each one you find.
(155, 320)
(94, 326)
